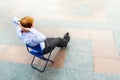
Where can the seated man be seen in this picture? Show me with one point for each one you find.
(28, 35)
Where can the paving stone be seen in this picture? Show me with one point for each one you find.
(92, 23)
(107, 65)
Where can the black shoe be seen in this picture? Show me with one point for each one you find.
(67, 37)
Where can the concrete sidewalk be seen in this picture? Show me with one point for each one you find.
(92, 54)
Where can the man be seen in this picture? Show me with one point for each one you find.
(28, 35)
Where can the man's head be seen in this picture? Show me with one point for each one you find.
(26, 22)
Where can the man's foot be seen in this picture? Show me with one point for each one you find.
(67, 37)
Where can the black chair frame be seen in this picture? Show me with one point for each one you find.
(43, 58)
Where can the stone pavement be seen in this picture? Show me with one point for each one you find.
(92, 54)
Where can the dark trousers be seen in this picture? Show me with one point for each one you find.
(51, 43)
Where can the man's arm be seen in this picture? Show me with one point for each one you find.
(16, 21)
(17, 24)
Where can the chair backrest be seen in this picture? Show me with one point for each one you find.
(36, 50)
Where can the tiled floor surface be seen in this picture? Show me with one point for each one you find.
(92, 54)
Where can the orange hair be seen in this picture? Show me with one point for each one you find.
(26, 22)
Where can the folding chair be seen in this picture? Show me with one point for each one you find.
(37, 52)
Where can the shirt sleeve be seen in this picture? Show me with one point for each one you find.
(16, 22)
(39, 37)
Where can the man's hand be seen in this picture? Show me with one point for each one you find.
(25, 29)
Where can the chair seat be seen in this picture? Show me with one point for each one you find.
(37, 54)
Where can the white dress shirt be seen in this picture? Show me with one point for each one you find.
(32, 38)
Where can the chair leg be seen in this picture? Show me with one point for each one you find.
(45, 63)
(47, 59)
